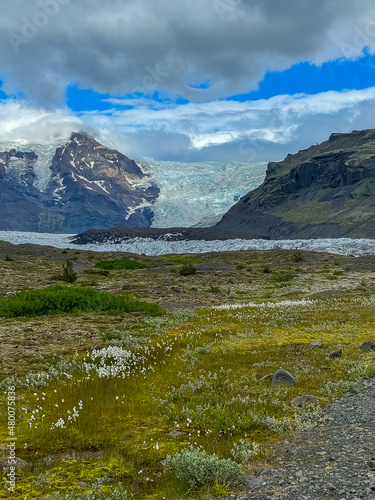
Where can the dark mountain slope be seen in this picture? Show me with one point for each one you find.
(78, 186)
(325, 191)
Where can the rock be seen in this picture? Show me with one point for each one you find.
(283, 377)
(353, 389)
(194, 289)
(175, 433)
(304, 400)
(315, 345)
(176, 289)
(371, 464)
(335, 354)
(126, 287)
(367, 346)
(254, 482)
(267, 472)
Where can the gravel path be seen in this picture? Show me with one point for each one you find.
(335, 460)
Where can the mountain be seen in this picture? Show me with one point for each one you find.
(325, 191)
(74, 183)
(72, 186)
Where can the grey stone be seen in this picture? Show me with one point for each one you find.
(175, 433)
(304, 400)
(371, 464)
(176, 289)
(126, 287)
(335, 354)
(367, 346)
(315, 345)
(353, 389)
(283, 377)
(255, 482)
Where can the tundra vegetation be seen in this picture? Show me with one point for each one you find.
(139, 382)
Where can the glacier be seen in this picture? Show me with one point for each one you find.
(340, 246)
(191, 194)
(199, 193)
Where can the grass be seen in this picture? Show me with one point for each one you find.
(63, 299)
(120, 264)
(181, 259)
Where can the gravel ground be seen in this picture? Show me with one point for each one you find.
(335, 460)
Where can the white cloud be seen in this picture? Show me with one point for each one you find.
(266, 129)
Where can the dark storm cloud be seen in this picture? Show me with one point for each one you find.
(125, 46)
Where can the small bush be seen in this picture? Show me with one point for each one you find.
(244, 452)
(119, 264)
(8, 259)
(68, 274)
(198, 469)
(62, 299)
(267, 270)
(187, 269)
(298, 257)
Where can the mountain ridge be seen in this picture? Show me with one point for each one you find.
(325, 191)
(77, 185)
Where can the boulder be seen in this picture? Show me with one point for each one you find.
(283, 377)
(367, 346)
(335, 354)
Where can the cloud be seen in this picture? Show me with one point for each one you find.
(127, 46)
(263, 129)
(217, 130)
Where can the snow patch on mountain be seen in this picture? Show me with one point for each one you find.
(45, 151)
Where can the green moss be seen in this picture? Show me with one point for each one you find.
(120, 264)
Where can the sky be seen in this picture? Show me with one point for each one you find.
(204, 80)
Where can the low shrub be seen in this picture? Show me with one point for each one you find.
(187, 269)
(298, 257)
(198, 469)
(119, 264)
(68, 274)
(63, 299)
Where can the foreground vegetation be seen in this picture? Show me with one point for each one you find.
(63, 299)
(181, 405)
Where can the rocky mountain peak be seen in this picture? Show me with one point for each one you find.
(78, 185)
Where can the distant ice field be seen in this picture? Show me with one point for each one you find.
(341, 246)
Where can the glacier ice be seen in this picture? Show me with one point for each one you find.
(191, 192)
(341, 246)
